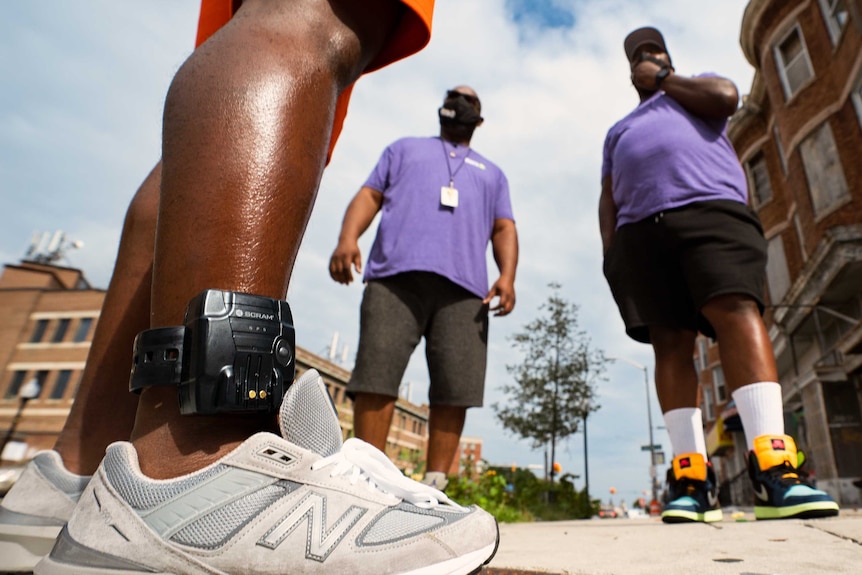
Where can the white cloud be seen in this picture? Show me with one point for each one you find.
(80, 128)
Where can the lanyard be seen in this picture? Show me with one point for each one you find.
(449, 167)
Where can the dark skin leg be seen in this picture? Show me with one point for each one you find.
(676, 379)
(372, 419)
(744, 346)
(445, 424)
(246, 130)
(125, 312)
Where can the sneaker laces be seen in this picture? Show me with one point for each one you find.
(786, 475)
(361, 462)
(686, 487)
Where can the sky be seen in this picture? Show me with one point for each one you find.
(81, 97)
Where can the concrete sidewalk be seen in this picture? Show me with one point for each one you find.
(647, 546)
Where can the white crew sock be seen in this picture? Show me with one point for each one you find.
(436, 479)
(761, 409)
(685, 427)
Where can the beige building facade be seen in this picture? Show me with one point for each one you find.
(49, 314)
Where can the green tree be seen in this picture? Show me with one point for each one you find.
(554, 387)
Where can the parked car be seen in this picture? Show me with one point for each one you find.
(608, 513)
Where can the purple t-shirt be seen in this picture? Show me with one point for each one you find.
(661, 156)
(417, 232)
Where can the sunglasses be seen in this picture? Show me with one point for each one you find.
(452, 94)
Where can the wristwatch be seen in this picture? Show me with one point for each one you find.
(663, 73)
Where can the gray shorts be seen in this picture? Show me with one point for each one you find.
(397, 312)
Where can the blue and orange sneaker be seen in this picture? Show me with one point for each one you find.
(692, 491)
(781, 490)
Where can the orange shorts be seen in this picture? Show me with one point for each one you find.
(412, 34)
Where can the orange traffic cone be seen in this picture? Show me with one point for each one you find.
(654, 508)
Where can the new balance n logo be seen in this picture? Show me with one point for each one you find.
(320, 539)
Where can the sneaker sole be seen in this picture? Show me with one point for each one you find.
(22, 546)
(801, 511)
(679, 516)
(468, 564)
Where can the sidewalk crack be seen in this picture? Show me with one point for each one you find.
(839, 535)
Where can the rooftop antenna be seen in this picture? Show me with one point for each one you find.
(333, 346)
(405, 390)
(49, 249)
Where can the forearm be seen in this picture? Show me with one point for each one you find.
(607, 215)
(707, 96)
(504, 243)
(360, 213)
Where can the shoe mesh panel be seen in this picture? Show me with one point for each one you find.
(399, 524)
(143, 493)
(304, 416)
(51, 468)
(213, 530)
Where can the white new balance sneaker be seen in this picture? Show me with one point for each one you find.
(35, 509)
(302, 504)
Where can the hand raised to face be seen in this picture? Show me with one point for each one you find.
(646, 65)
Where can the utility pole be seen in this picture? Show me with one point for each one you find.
(652, 446)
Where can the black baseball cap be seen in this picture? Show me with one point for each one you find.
(641, 36)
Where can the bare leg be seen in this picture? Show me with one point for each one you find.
(104, 410)
(744, 345)
(246, 128)
(675, 377)
(445, 424)
(372, 418)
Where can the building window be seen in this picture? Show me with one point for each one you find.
(41, 378)
(856, 95)
(83, 329)
(800, 237)
(59, 389)
(60, 330)
(836, 16)
(708, 403)
(702, 350)
(758, 179)
(826, 183)
(777, 274)
(780, 148)
(793, 63)
(39, 331)
(718, 382)
(15, 385)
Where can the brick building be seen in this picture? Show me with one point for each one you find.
(49, 316)
(468, 459)
(798, 135)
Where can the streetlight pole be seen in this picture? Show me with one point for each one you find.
(27, 392)
(586, 464)
(652, 467)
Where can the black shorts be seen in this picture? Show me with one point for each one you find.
(397, 312)
(663, 269)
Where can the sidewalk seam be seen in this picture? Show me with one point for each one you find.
(840, 536)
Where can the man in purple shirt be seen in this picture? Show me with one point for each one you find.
(684, 253)
(441, 203)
